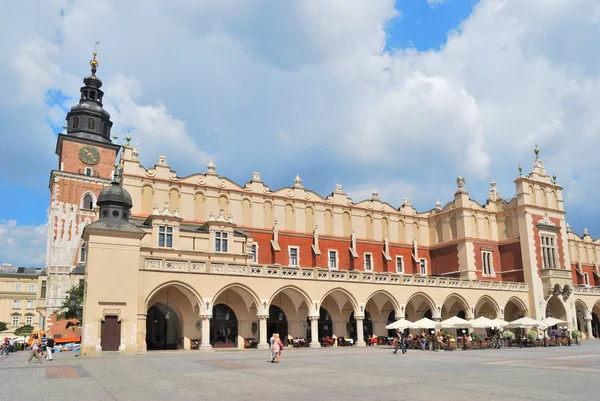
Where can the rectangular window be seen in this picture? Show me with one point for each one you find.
(31, 287)
(333, 255)
(399, 264)
(29, 304)
(488, 265)
(293, 256)
(220, 242)
(423, 266)
(82, 253)
(88, 171)
(165, 236)
(16, 304)
(29, 320)
(43, 290)
(368, 262)
(254, 253)
(18, 288)
(549, 252)
(15, 320)
(586, 279)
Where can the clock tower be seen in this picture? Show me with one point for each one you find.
(86, 158)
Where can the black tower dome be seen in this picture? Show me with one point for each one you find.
(114, 201)
(88, 119)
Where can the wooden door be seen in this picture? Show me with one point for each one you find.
(111, 334)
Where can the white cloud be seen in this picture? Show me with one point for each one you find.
(22, 245)
(305, 87)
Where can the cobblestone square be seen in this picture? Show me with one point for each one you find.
(554, 373)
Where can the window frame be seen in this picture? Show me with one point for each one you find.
(401, 259)
(221, 241)
(18, 287)
(423, 265)
(88, 172)
(18, 320)
(254, 252)
(30, 302)
(489, 255)
(31, 288)
(548, 262)
(165, 233)
(371, 263)
(297, 249)
(330, 253)
(16, 304)
(82, 252)
(29, 320)
(586, 279)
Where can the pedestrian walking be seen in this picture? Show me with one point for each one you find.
(271, 341)
(50, 348)
(12, 346)
(35, 350)
(400, 342)
(277, 347)
(5, 345)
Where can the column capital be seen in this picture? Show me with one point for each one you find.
(313, 317)
(262, 317)
(359, 317)
(205, 317)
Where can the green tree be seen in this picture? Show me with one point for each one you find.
(72, 306)
(24, 331)
(3, 326)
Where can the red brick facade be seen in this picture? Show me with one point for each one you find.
(511, 262)
(588, 269)
(444, 261)
(69, 158)
(538, 245)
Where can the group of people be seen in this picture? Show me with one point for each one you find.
(276, 347)
(401, 340)
(8, 345)
(41, 349)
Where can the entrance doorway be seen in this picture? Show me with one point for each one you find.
(223, 327)
(277, 323)
(163, 328)
(110, 337)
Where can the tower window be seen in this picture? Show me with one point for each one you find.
(105, 129)
(91, 124)
(75, 122)
(88, 172)
(93, 95)
(220, 242)
(368, 262)
(82, 253)
(488, 264)
(549, 252)
(165, 236)
(88, 201)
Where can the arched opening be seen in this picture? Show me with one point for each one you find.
(555, 309)
(486, 307)
(581, 311)
(391, 319)
(367, 326)
(88, 202)
(453, 306)
(515, 309)
(325, 326)
(418, 307)
(91, 124)
(380, 305)
(596, 321)
(163, 327)
(223, 327)
(277, 323)
(339, 305)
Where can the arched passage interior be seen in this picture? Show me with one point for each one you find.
(288, 314)
(379, 305)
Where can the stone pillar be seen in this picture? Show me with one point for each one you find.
(205, 343)
(263, 341)
(588, 322)
(360, 334)
(141, 332)
(314, 330)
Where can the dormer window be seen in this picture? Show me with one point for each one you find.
(221, 241)
(91, 124)
(165, 236)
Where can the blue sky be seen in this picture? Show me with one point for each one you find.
(373, 95)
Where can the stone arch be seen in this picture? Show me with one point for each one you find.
(290, 217)
(401, 231)
(347, 293)
(514, 309)
(544, 197)
(309, 219)
(416, 232)
(246, 212)
(268, 215)
(294, 305)
(488, 228)
(340, 304)
(328, 222)
(192, 295)
(532, 195)
(246, 293)
(347, 224)
(450, 309)
(383, 294)
(368, 226)
(224, 205)
(303, 295)
(199, 206)
(556, 308)
(555, 199)
(385, 227)
(174, 197)
(582, 312)
(416, 311)
(88, 201)
(453, 228)
(486, 306)
(245, 304)
(147, 199)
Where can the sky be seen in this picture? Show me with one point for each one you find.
(394, 96)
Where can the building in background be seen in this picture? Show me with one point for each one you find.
(20, 297)
(174, 261)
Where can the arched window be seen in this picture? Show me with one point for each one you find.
(105, 129)
(91, 123)
(88, 202)
(75, 122)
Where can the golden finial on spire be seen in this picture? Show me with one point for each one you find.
(93, 62)
(536, 150)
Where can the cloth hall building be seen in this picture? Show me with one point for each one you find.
(172, 259)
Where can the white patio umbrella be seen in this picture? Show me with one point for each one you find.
(424, 324)
(523, 323)
(551, 321)
(499, 322)
(400, 324)
(483, 323)
(455, 322)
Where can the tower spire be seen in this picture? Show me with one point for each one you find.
(93, 62)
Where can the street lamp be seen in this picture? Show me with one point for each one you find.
(433, 340)
(464, 339)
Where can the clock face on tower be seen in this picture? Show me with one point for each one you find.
(89, 155)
